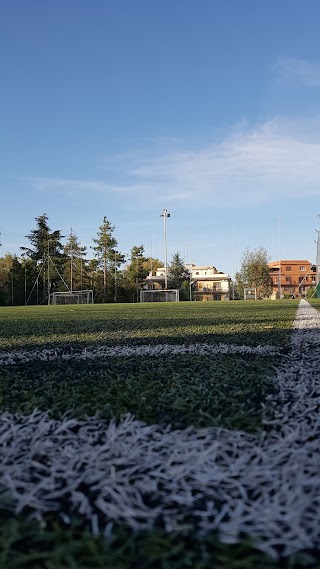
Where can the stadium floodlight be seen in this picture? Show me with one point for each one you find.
(318, 259)
(165, 214)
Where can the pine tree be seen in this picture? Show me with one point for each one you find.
(106, 253)
(45, 253)
(75, 266)
(179, 276)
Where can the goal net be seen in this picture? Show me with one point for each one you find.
(250, 294)
(159, 295)
(72, 297)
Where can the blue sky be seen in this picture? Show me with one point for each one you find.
(208, 108)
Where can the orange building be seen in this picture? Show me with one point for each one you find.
(292, 278)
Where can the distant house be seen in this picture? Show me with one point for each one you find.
(292, 277)
(207, 282)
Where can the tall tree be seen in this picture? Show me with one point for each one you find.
(46, 253)
(106, 253)
(75, 266)
(5, 280)
(136, 271)
(254, 272)
(12, 280)
(179, 276)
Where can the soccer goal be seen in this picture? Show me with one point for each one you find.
(72, 297)
(250, 294)
(159, 295)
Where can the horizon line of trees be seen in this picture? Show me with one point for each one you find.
(48, 266)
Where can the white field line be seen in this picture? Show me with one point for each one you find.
(25, 356)
(266, 486)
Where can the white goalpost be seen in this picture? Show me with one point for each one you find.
(250, 294)
(159, 295)
(72, 297)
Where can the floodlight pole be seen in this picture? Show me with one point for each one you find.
(318, 260)
(165, 214)
(48, 271)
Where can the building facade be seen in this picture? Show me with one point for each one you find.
(206, 282)
(292, 278)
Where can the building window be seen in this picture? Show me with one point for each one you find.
(303, 268)
(288, 279)
(288, 268)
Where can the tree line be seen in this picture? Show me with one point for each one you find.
(48, 266)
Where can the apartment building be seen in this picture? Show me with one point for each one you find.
(292, 277)
(208, 284)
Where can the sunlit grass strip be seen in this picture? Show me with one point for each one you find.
(26, 356)
(184, 323)
(266, 486)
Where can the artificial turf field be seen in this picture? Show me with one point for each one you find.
(108, 361)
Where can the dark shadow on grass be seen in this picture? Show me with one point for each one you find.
(220, 390)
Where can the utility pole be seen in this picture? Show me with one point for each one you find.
(279, 277)
(318, 266)
(233, 276)
(115, 276)
(48, 271)
(165, 214)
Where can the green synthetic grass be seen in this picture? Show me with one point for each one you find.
(253, 323)
(315, 302)
(221, 390)
(26, 545)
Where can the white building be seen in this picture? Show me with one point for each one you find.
(207, 282)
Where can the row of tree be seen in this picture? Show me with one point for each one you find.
(48, 266)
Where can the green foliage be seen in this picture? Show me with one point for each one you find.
(135, 273)
(108, 258)
(44, 241)
(254, 272)
(75, 270)
(16, 277)
(311, 292)
(179, 276)
(46, 258)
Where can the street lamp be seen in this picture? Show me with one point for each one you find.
(165, 214)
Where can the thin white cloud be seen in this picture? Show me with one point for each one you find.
(297, 70)
(75, 186)
(277, 159)
(254, 165)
